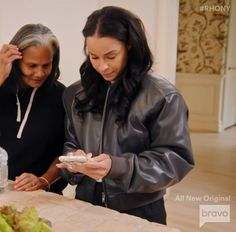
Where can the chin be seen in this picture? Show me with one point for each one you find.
(109, 78)
(35, 85)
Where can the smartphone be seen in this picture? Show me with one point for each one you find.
(71, 159)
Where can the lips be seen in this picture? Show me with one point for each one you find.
(37, 80)
(108, 75)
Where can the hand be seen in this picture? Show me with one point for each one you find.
(96, 167)
(28, 182)
(80, 152)
(8, 54)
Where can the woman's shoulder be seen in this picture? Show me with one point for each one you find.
(156, 84)
(156, 89)
(59, 85)
(71, 90)
(57, 88)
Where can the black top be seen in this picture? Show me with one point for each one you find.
(43, 135)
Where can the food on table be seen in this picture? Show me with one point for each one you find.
(11, 220)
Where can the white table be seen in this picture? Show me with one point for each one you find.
(71, 215)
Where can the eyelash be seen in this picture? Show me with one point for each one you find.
(110, 58)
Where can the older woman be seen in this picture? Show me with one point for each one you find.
(31, 110)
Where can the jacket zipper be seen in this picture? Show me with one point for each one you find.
(104, 192)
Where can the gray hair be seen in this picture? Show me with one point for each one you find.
(35, 35)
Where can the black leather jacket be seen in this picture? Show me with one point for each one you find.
(149, 153)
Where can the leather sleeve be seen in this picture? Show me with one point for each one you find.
(169, 157)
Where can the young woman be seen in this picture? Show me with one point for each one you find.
(31, 110)
(130, 124)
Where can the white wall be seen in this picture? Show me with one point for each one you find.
(66, 19)
(167, 15)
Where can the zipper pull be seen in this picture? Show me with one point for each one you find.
(104, 199)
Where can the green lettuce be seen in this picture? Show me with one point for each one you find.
(25, 221)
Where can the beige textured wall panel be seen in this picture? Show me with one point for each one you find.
(202, 94)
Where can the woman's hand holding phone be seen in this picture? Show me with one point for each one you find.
(95, 167)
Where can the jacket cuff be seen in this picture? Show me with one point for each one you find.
(71, 178)
(119, 167)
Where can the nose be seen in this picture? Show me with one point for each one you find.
(103, 66)
(39, 72)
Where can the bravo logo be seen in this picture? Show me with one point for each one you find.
(214, 213)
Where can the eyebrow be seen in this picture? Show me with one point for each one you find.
(35, 63)
(108, 53)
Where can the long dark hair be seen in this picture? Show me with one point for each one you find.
(123, 25)
(35, 35)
